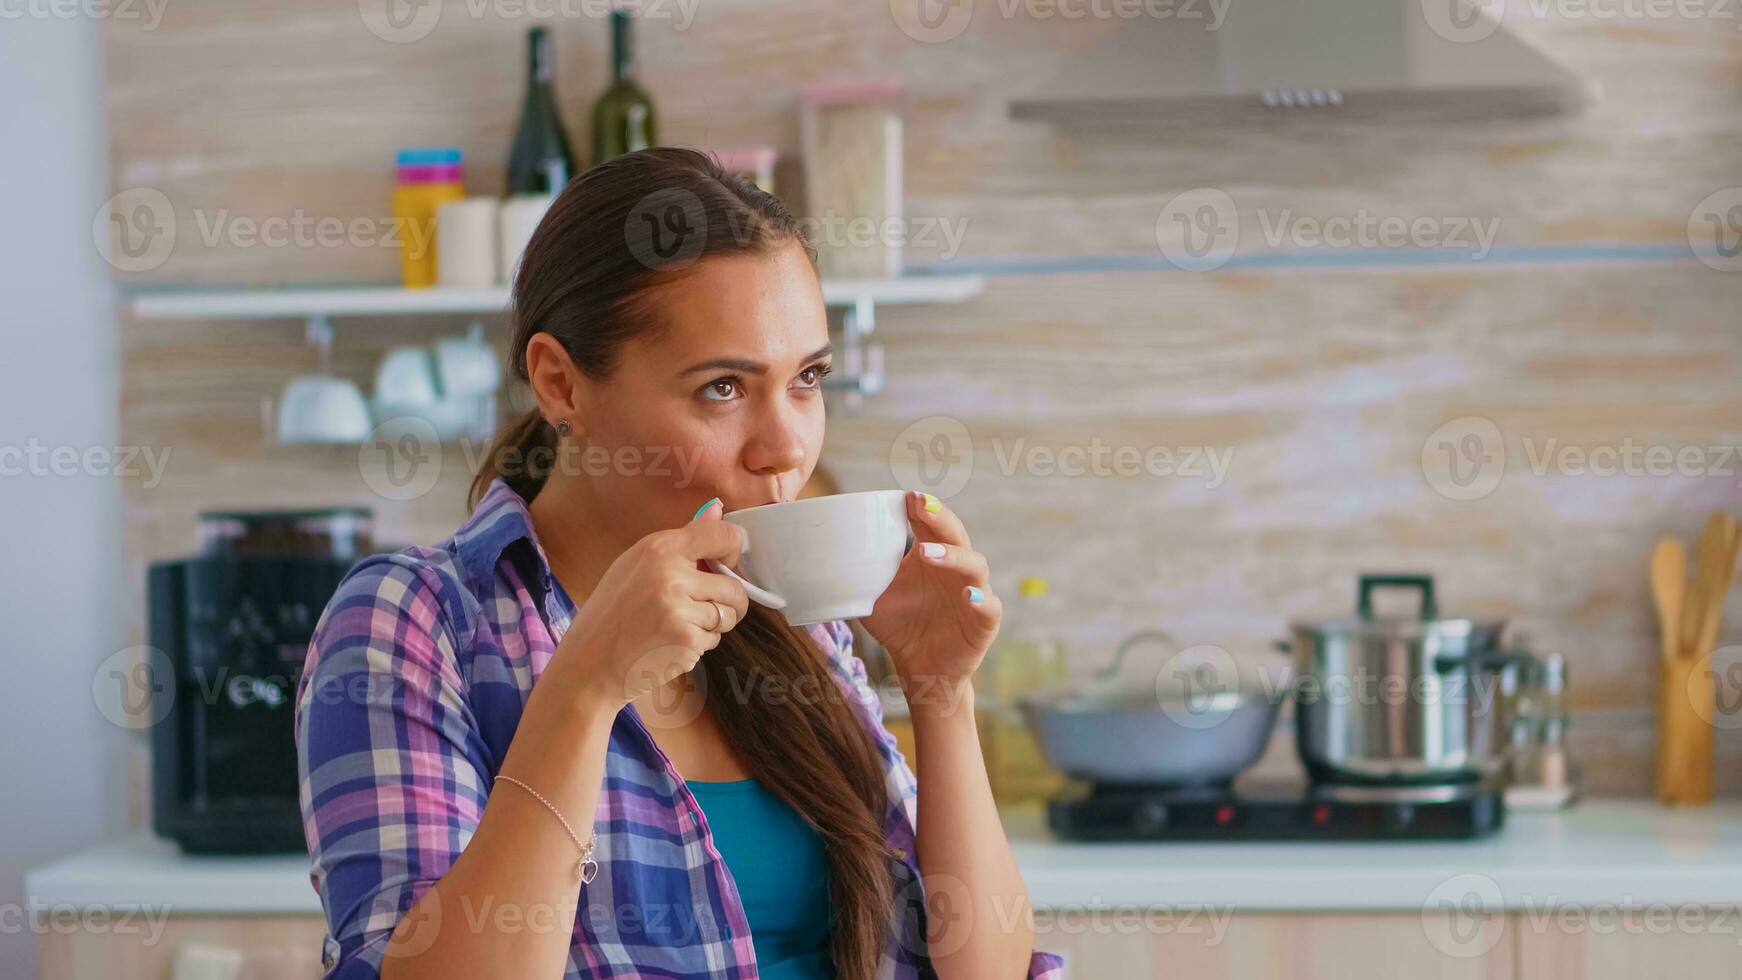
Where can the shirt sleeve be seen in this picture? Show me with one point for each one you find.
(389, 757)
(902, 784)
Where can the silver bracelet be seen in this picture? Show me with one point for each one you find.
(586, 867)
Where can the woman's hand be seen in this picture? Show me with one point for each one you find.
(938, 616)
(650, 618)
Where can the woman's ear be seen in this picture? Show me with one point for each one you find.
(555, 381)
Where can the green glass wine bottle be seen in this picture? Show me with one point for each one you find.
(623, 119)
(540, 161)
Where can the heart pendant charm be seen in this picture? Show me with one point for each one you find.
(589, 869)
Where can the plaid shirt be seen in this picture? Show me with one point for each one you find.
(415, 680)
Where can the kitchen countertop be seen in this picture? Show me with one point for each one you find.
(1600, 852)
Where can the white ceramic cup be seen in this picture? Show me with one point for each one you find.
(406, 376)
(519, 219)
(466, 366)
(821, 558)
(322, 408)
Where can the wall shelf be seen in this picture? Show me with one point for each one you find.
(1354, 259)
(861, 361)
(282, 302)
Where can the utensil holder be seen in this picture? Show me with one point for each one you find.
(1686, 705)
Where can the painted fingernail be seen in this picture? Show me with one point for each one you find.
(932, 504)
(703, 507)
(974, 593)
(931, 549)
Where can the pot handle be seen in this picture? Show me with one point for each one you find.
(1492, 660)
(1126, 644)
(1421, 583)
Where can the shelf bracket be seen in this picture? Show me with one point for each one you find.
(317, 332)
(862, 360)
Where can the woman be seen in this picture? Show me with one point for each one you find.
(511, 765)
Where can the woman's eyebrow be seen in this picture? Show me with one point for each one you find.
(746, 365)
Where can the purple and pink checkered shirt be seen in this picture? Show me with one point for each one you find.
(414, 683)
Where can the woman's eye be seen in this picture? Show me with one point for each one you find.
(813, 376)
(721, 390)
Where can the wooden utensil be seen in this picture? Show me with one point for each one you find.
(1710, 554)
(1716, 587)
(1687, 703)
(1669, 580)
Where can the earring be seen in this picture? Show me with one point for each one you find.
(563, 428)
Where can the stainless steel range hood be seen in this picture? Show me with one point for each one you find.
(1228, 60)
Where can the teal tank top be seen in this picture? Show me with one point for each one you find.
(778, 864)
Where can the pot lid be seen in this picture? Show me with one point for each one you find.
(1425, 622)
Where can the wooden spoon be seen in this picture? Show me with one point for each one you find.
(1716, 587)
(1710, 554)
(1669, 580)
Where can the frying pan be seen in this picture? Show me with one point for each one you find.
(1205, 718)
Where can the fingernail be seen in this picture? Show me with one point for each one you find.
(974, 593)
(931, 549)
(932, 504)
(710, 503)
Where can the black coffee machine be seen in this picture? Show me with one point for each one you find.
(234, 622)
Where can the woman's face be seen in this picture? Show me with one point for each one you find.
(725, 400)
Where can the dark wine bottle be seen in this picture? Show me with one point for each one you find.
(540, 161)
(623, 120)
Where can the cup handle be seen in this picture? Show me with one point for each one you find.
(756, 592)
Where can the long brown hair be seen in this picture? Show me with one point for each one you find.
(624, 226)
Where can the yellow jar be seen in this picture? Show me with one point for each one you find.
(425, 179)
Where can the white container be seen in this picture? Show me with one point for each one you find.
(466, 233)
(851, 133)
(756, 163)
(520, 217)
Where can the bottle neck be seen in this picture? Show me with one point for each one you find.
(622, 52)
(541, 69)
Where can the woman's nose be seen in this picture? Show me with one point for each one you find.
(776, 443)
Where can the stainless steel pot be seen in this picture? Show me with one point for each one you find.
(1401, 700)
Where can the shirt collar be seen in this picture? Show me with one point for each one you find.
(499, 521)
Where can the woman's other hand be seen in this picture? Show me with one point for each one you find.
(939, 616)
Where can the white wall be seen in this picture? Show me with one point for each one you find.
(61, 782)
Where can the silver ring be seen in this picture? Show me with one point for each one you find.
(719, 616)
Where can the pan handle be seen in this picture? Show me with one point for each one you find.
(1130, 641)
